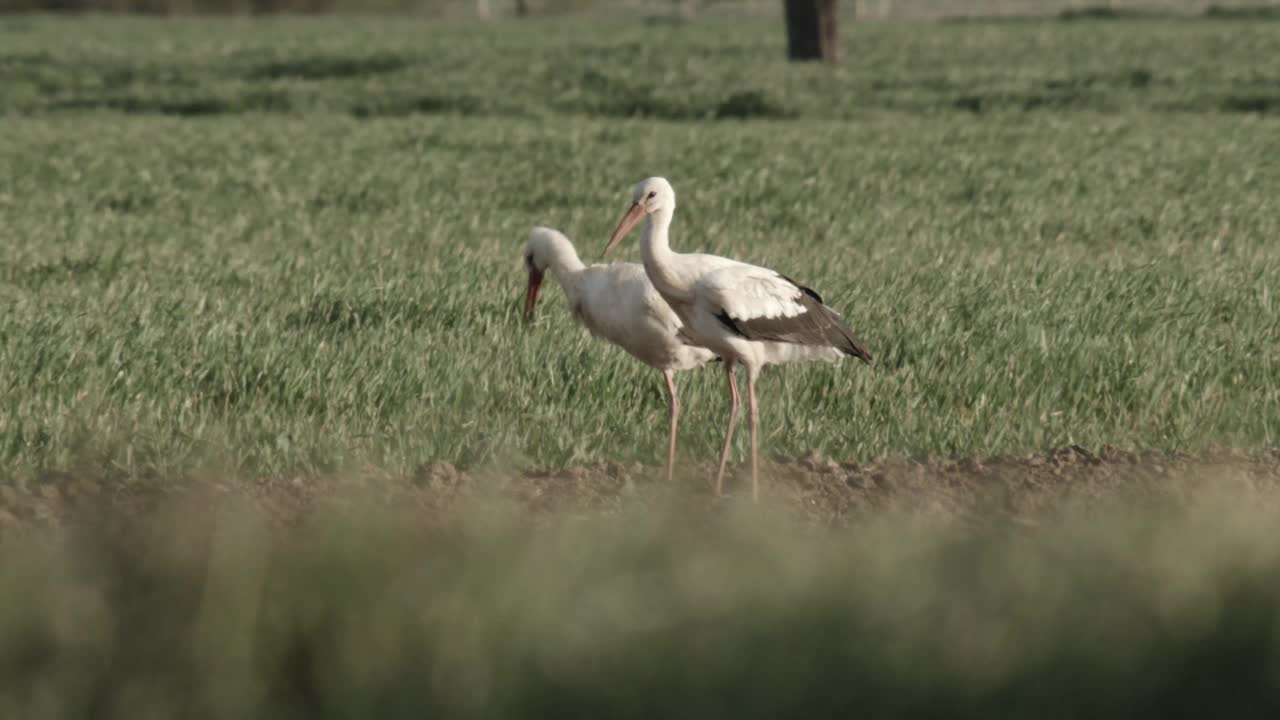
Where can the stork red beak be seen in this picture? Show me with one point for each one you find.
(628, 221)
(531, 295)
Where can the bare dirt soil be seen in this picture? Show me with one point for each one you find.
(814, 489)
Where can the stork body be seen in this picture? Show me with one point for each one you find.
(746, 314)
(617, 302)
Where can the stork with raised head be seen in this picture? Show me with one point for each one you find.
(618, 303)
(747, 315)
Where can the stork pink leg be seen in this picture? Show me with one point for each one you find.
(755, 427)
(675, 421)
(735, 400)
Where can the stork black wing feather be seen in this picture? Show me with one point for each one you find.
(817, 325)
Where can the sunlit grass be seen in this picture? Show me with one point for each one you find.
(304, 292)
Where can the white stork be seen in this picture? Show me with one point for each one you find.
(618, 303)
(745, 314)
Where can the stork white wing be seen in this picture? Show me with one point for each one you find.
(749, 292)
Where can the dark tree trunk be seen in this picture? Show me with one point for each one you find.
(812, 31)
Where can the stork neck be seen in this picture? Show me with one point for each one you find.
(655, 250)
(656, 226)
(565, 261)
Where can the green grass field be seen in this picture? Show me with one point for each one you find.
(293, 246)
(270, 251)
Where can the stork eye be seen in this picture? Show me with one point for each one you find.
(528, 261)
(652, 194)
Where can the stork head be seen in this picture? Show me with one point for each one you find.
(544, 248)
(651, 195)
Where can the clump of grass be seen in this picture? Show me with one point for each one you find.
(1267, 11)
(1110, 12)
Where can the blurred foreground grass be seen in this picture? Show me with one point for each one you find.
(1122, 612)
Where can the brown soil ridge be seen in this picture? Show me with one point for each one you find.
(812, 488)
